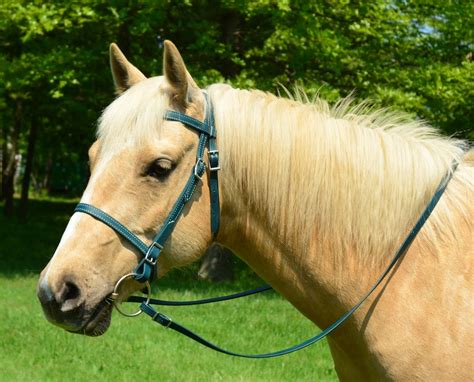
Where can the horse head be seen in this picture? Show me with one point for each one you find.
(138, 164)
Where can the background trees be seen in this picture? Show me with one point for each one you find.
(54, 76)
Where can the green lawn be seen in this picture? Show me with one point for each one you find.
(138, 349)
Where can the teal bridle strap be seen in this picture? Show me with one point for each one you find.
(114, 224)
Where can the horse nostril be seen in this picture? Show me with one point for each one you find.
(62, 301)
(72, 291)
(70, 296)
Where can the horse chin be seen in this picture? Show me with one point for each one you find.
(99, 321)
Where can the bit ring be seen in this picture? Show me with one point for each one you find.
(113, 297)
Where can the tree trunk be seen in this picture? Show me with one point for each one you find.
(123, 33)
(48, 168)
(217, 264)
(9, 174)
(4, 162)
(25, 186)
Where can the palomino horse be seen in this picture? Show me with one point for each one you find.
(315, 199)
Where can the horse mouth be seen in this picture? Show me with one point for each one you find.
(99, 321)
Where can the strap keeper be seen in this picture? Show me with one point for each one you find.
(149, 259)
(213, 157)
(199, 168)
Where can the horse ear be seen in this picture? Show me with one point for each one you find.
(183, 85)
(124, 73)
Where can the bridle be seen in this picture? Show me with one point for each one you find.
(146, 269)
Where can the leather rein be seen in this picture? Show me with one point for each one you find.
(146, 269)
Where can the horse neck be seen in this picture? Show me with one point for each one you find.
(311, 202)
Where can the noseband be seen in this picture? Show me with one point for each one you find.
(146, 269)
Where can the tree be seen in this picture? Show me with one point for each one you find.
(217, 264)
(43, 73)
(415, 56)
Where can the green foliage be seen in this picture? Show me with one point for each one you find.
(414, 56)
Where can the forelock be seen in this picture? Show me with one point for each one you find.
(135, 116)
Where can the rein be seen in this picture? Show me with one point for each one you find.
(146, 269)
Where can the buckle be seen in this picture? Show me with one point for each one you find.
(213, 155)
(163, 319)
(150, 260)
(199, 161)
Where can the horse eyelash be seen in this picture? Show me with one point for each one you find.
(164, 167)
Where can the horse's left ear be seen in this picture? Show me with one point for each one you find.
(182, 84)
(124, 73)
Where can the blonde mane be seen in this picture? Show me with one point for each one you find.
(353, 177)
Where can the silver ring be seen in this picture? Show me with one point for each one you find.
(115, 294)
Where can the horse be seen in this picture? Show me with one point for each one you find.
(314, 198)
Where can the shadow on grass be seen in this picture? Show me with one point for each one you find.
(26, 247)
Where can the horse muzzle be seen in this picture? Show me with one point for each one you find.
(64, 305)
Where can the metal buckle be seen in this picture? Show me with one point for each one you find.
(151, 260)
(196, 174)
(209, 154)
(112, 299)
(164, 317)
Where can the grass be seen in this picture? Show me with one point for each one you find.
(138, 349)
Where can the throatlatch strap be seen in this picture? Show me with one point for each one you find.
(214, 167)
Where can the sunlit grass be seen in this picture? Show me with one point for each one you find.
(31, 349)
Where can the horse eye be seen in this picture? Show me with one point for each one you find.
(159, 169)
